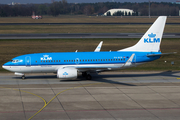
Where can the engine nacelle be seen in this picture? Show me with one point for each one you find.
(67, 73)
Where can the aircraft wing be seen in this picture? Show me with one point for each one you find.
(103, 68)
(98, 48)
(93, 68)
(152, 55)
(96, 68)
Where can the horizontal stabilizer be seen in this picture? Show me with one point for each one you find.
(152, 55)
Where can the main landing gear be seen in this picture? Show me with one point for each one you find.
(86, 75)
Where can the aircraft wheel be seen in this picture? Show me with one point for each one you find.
(88, 77)
(23, 77)
(84, 74)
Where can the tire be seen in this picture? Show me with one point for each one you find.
(23, 77)
(88, 77)
(84, 74)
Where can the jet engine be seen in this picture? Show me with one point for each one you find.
(67, 73)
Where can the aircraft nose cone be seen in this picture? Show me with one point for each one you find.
(6, 67)
(3, 66)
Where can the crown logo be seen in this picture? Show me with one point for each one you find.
(65, 73)
(46, 55)
(152, 35)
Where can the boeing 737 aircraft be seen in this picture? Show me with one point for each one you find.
(67, 65)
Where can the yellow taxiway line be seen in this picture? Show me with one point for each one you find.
(45, 103)
(60, 93)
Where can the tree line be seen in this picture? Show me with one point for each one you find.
(62, 8)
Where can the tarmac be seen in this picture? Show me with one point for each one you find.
(108, 96)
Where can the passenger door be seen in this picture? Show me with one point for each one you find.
(28, 61)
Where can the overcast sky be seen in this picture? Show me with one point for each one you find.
(77, 1)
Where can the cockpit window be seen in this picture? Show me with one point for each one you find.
(14, 61)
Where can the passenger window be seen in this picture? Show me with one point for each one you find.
(54, 61)
(41, 60)
(51, 60)
(59, 60)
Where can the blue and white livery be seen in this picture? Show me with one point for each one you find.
(67, 65)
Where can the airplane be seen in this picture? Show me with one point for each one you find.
(67, 65)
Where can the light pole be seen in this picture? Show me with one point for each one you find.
(149, 10)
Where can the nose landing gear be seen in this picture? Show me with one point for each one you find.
(21, 74)
(23, 77)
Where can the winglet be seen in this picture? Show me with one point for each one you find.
(129, 61)
(98, 48)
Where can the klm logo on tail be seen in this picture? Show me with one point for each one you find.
(152, 39)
